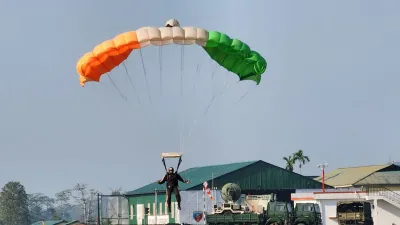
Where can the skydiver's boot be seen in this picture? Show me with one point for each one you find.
(169, 209)
(178, 200)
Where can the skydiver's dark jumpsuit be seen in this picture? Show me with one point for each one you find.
(172, 186)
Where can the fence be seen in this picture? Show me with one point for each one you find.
(113, 210)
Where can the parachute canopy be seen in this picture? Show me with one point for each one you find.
(232, 54)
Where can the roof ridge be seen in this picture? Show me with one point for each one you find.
(224, 164)
(362, 166)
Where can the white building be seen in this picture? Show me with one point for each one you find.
(385, 209)
(377, 184)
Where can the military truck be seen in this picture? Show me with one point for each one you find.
(307, 214)
(354, 212)
(254, 209)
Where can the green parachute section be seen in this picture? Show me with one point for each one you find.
(235, 56)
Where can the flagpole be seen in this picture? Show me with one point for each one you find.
(204, 204)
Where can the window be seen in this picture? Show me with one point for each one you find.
(289, 206)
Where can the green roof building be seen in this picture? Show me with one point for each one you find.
(56, 222)
(254, 177)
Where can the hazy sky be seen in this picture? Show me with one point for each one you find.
(331, 89)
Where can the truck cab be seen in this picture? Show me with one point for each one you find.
(279, 213)
(307, 214)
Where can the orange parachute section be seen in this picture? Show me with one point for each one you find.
(106, 56)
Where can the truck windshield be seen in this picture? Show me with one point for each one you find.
(280, 207)
(309, 208)
(317, 209)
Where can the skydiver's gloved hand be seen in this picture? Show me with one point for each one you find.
(187, 181)
(158, 181)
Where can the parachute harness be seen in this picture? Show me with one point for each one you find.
(171, 155)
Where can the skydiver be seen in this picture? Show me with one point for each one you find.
(172, 186)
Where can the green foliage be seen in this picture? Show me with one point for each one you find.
(41, 207)
(14, 204)
(63, 200)
(290, 161)
(19, 208)
(296, 157)
(299, 156)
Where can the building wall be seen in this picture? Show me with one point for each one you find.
(262, 175)
(192, 201)
(328, 211)
(382, 212)
(149, 201)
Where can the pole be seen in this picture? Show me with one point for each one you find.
(98, 208)
(322, 167)
(212, 187)
(155, 210)
(204, 204)
(323, 180)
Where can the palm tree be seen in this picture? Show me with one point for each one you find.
(290, 161)
(299, 156)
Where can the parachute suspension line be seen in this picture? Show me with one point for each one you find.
(182, 67)
(194, 79)
(119, 91)
(208, 107)
(160, 59)
(130, 81)
(245, 94)
(145, 74)
(194, 90)
(181, 119)
(213, 73)
(214, 95)
(220, 93)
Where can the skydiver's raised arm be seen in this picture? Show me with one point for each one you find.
(181, 179)
(163, 179)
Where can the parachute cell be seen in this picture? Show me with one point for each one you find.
(235, 56)
(232, 54)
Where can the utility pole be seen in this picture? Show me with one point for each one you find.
(322, 167)
(98, 208)
(156, 203)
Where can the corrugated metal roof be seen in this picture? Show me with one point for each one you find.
(382, 178)
(196, 175)
(49, 222)
(74, 222)
(349, 176)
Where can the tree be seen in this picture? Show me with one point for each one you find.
(290, 161)
(87, 199)
(14, 204)
(299, 156)
(41, 207)
(63, 202)
(117, 191)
